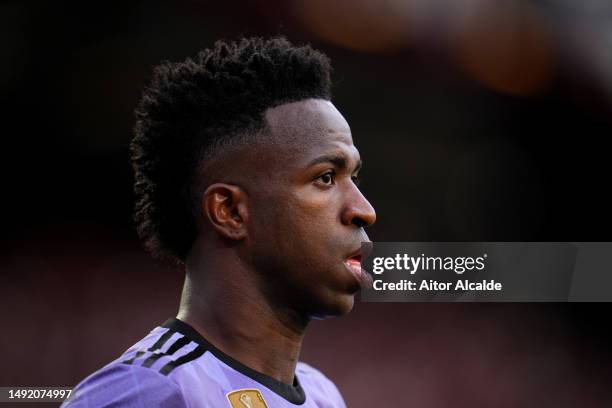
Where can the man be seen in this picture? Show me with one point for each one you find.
(246, 174)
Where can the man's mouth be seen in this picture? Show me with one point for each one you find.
(353, 264)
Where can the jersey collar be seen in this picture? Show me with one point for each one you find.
(292, 393)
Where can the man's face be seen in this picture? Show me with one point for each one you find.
(306, 212)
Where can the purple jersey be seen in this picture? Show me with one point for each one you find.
(174, 366)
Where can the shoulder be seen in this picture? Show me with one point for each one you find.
(123, 385)
(318, 386)
(153, 372)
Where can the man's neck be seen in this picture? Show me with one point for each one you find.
(225, 306)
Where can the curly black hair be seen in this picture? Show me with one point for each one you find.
(192, 108)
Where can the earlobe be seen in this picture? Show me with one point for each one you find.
(224, 205)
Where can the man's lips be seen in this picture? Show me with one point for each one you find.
(353, 260)
(353, 264)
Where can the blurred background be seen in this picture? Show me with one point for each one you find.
(477, 121)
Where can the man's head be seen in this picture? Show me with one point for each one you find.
(242, 147)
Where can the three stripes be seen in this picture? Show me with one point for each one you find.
(176, 346)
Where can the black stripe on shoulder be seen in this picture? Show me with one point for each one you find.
(192, 355)
(131, 360)
(162, 340)
(159, 343)
(180, 343)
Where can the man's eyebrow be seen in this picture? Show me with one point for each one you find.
(337, 160)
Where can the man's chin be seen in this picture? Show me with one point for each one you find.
(340, 306)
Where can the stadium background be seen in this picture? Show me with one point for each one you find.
(477, 120)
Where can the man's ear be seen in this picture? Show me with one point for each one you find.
(225, 206)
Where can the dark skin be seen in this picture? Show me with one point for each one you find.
(279, 219)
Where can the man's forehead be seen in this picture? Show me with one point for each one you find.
(296, 134)
(307, 122)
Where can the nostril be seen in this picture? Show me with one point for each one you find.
(361, 223)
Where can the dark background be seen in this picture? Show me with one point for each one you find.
(477, 121)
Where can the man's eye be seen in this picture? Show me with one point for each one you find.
(327, 178)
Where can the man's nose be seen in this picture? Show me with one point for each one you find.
(358, 210)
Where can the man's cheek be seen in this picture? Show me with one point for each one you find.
(311, 199)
